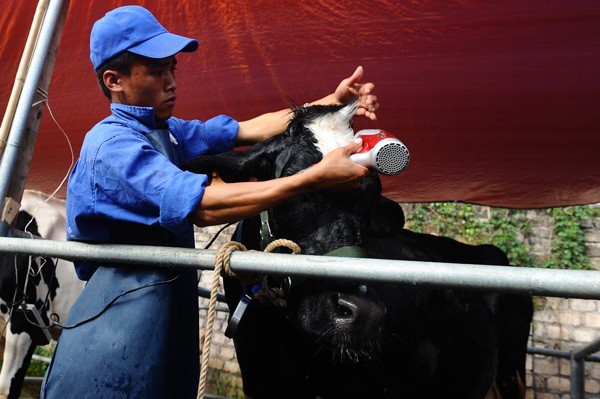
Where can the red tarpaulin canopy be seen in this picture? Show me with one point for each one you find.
(498, 101)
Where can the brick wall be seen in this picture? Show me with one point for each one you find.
(564, 324)
(559, 323)
(222, 353)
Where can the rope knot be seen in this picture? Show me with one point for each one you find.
(223, 259)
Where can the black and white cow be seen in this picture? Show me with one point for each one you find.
(343, 339)
(51, 285)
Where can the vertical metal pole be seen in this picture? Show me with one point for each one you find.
(14, 165)
(34, 32)
(578, 368)
(577, 378)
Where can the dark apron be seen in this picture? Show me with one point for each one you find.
(146, 344)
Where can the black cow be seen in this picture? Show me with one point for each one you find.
(343, 339)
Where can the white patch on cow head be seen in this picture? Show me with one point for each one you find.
(333, 130)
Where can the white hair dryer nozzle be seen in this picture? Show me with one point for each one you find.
(381, 152)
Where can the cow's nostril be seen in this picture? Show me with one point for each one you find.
(343, 311)
(346, 308)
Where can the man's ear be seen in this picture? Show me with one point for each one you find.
(112, 81)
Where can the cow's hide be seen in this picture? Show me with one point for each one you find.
(343, 339)
(51, 285)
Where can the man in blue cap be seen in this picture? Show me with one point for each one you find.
(133, 333)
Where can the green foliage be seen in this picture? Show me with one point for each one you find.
(416, 217)
(568, 240)
(457, 220)
(224, 384)
(37, 368)
(475, 225)
(507, 229)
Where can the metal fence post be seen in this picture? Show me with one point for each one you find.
(578, 368)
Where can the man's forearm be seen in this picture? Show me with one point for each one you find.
(230, 202)
(270, 124)
(262, 127)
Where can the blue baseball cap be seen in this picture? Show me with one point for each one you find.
(134, 29)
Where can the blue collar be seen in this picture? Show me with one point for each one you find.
(139, 119)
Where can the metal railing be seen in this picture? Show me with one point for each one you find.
(504, 279)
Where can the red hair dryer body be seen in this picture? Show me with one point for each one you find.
(381, 152)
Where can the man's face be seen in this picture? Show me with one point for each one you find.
(150, 84)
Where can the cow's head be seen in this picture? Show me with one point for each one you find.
(311, 134)
(343, 320)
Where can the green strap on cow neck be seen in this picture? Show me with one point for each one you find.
(348, 251)
(266, 237)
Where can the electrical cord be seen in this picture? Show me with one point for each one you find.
(212, 241)
(104, 309)
(45, 100)
(55, 319)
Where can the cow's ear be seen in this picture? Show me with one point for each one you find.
(278, 156)
(257, 162)
(230, 166)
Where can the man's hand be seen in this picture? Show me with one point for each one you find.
(351, 87)
(337, 171)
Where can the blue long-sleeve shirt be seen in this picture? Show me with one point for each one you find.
(121, 180)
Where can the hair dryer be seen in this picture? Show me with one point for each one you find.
(381, 152)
